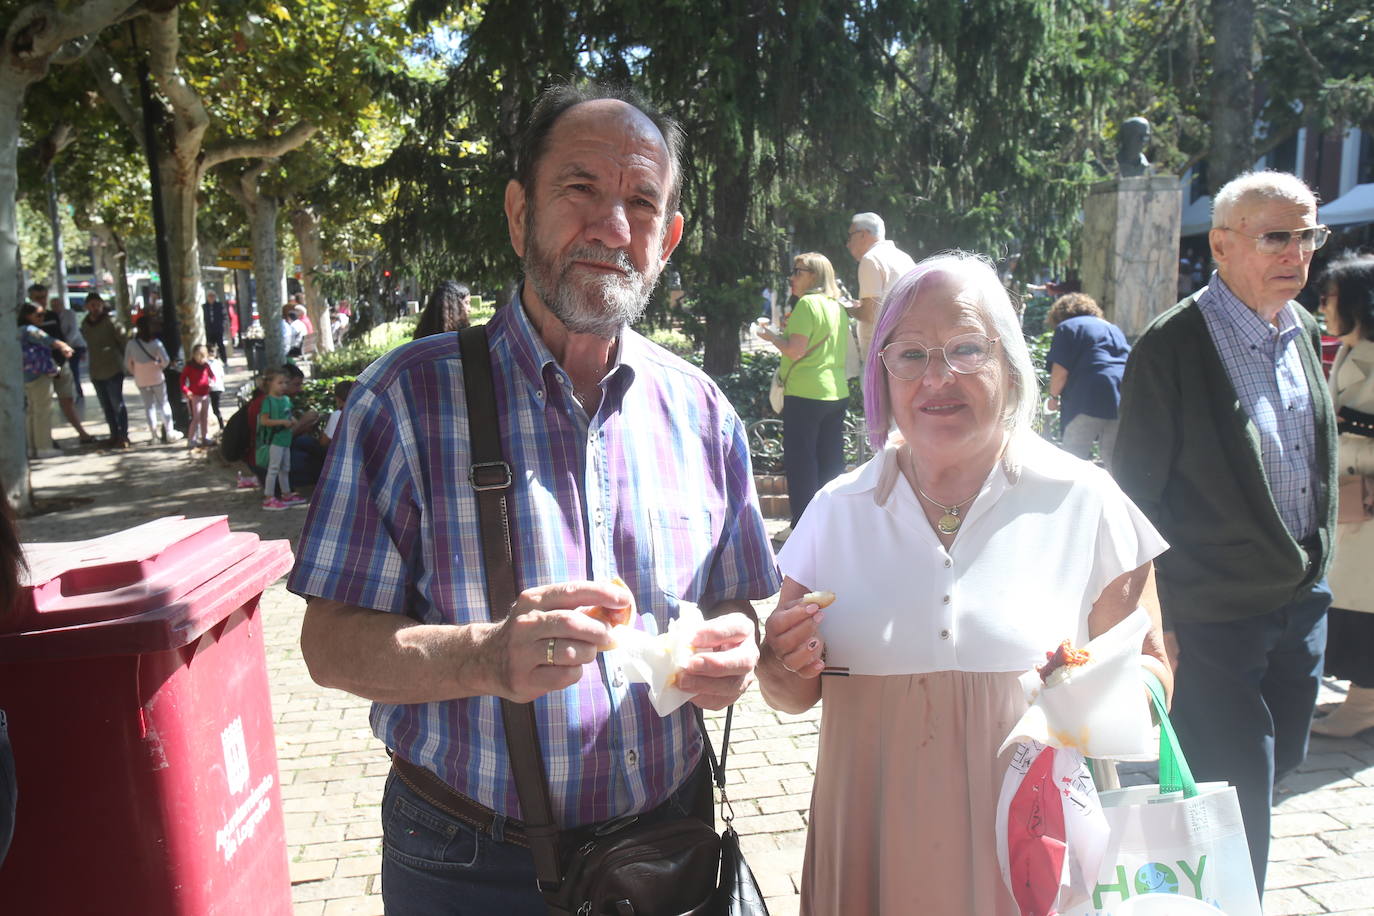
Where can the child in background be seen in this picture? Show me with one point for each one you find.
(195, 387)
(216, 389)
(144, 359)
(331, 426)
(274, 443)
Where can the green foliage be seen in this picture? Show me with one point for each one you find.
(1033, 319)
(317, 394)
(1047, 424)
(673, 341)
(350, 360)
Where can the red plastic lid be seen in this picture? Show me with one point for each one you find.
(124, 574)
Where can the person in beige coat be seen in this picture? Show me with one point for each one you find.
(1347, 302)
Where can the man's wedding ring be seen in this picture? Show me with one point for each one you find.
(548, 651)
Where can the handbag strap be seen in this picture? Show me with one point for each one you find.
(1174, 773)
(490, 477)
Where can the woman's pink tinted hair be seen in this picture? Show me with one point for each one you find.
(976, 275)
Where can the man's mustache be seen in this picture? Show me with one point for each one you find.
(601, 254)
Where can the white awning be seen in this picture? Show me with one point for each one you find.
(1352, 207)
(1197, 216)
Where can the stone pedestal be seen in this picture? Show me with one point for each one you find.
(1130, 248)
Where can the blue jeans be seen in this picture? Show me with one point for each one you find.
(110, 393)
(812, 448)
(435, 865)
(1243, 700)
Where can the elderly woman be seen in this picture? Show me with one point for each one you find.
(1347, 302)
(815, 392)
(961, 553)
(1087, 359)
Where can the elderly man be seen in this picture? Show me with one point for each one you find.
(1227, 442)
(628, 463)
(881, 265)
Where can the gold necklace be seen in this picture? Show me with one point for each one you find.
(950, 521)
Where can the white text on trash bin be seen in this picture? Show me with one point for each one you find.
(235, 756)
(245, 819)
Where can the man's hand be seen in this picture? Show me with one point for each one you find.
(544, 642)
(719, 675)
(62, 348)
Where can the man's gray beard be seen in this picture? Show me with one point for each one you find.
(600, 305)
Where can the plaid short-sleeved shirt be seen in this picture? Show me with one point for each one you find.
(656, 488)
(1265, 368)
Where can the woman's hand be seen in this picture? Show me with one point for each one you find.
(792, 636)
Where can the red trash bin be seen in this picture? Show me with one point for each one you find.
(135, 683)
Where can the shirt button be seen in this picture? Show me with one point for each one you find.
(1304, 489)
(945, 600)
(948, 562)
(944, 634)
(539, 394)
(632, 757)
(619, 679)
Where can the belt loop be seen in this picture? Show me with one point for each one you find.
(498, 827)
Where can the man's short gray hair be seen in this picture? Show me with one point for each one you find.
(869, 222)
(1259, 186)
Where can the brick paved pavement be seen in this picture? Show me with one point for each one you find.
(332, 769)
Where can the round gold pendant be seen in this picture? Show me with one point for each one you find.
(949, 523)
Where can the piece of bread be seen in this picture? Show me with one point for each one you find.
(613, 616)
(820, 599)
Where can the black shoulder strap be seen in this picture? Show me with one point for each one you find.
(490, 477)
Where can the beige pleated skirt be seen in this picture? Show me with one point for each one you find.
(904, 803)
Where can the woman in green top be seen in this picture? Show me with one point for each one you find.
(812, 343)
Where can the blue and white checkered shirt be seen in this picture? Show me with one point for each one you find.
(655, 488)
(1265, 367)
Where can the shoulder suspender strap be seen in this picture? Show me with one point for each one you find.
(490, 477)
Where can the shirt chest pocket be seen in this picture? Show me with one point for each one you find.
(683, 542)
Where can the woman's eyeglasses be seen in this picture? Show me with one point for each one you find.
(1278, 240)
(799, 270)
(963, 353)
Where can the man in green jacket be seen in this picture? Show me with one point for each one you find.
(1227, 442)
(105, 341)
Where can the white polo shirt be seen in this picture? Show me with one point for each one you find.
(1037, 547)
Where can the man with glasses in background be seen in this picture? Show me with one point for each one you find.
(881, 265)
(1227, 442)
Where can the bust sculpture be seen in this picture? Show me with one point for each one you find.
(1130, 152)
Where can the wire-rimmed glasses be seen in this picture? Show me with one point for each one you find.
(1276, 241)
(963, 353)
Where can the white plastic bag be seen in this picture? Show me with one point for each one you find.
(1084, 830)
(1099, 708)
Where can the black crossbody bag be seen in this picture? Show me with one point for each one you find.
(674, 867)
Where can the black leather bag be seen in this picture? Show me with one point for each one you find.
(676, 867)
(669, 868)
